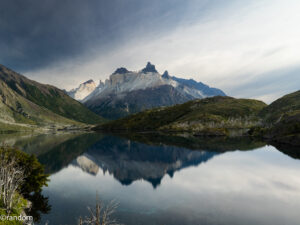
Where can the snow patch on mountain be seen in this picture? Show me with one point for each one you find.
(83, 90)
(124, 81)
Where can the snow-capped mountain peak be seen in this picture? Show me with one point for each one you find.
(121, 70)
(124, 81)
(166, 75)
(82, 90)
(126, 92)
(150, 68)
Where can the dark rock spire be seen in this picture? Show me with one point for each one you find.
(150, 68)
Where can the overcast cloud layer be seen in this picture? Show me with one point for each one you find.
(247, 48)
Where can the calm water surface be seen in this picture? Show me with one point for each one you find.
(162, 181)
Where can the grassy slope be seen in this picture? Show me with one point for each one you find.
(287, 130)
(215, 112)
(15, 109)
(284, 117)
(60, 103)
(12, 128)
(47, 97)
(287, 105)
(279, 122)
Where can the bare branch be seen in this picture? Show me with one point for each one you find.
(102, 215)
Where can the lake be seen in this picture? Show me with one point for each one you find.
(164, 180)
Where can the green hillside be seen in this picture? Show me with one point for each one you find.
(221, 116)
(287, 105)
(18, 113)
(287, 130)
(29, 102)
(283, 119)
(214, 114)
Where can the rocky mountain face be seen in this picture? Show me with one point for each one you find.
(25, 103)
(127, 92)
(83, 90)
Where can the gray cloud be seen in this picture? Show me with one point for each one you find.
(270, 85)
(35, 34)
(247, 48)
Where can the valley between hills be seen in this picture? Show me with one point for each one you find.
(144, 101)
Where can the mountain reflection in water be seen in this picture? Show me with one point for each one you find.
(130, 161)
(162, 179)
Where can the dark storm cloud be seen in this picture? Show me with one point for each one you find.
(65, 42)
(35, 34)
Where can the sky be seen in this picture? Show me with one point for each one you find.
(247, 48)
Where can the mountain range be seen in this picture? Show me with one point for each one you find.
(180, 105)
(127, 92)
(26, 104)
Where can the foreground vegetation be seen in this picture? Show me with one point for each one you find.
(21, 178)
(100, 215)
(221, 116)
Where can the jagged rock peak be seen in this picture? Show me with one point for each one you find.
(101, 84)
(89, 82)
(166, 75)
(121, 70)
(150, 68)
